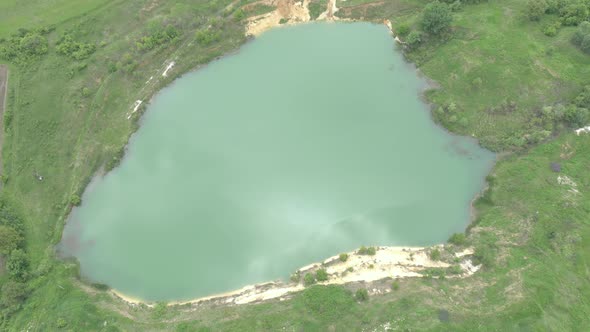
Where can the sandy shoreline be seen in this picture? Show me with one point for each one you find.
(388, 262)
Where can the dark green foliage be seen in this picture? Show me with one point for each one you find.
(207, 37)
(414, 38)
(458, 239)
(17, 265)
(435, 254)
(10, 239)
(24, 46)
(315, 9)
(576, 116)
(361, 294)
(436, 18)
(536, 9)
(75, 200)
(574, 13)
(76, 50)
(395, 285)
(239, 15)
(550, 30)
(321, 275)
(309, 279)
(402, 30)
(13, 295)
(366, 250)
(343, 257)
(583, 99)
(115, 160)
(455, 269)
(157, 35)
(581, 37)
(484, 255)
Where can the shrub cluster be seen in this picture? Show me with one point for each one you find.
(157, 35)
(76, 50)
(14, 290)
(581, 37)
(367, 251)
(24, 45)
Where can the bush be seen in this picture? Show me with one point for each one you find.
(436, 18)
(455, 269)
(75, 200)
(576, 116)
(10, 239)
(75, 50)
(484, 255)
(456, 6)
(395, 285)
(458, 239)
(308, 279)
(435, 254)
(18, 264)
(581, 37)
(366, 251)
(361, 294)
(13, 294)
(321, 275)
(402, 30)
(206, 37)
(550, 31)
(343, 257)
(414, 39)
(239, 15)
(157, 35)
(295, 277)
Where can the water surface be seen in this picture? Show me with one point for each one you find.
(311, 141)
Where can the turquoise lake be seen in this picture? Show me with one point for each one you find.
(310, 141)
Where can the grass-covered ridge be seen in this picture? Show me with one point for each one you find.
(76, 69)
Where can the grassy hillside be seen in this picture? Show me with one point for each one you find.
(83, 64)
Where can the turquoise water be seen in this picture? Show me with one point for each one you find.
(311, 141)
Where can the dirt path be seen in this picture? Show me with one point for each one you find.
(3, 95)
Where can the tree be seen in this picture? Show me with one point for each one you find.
(18, 264)
(536, 9)
(10, 239)
(436, 18)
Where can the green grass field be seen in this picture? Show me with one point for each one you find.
(69, 119)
